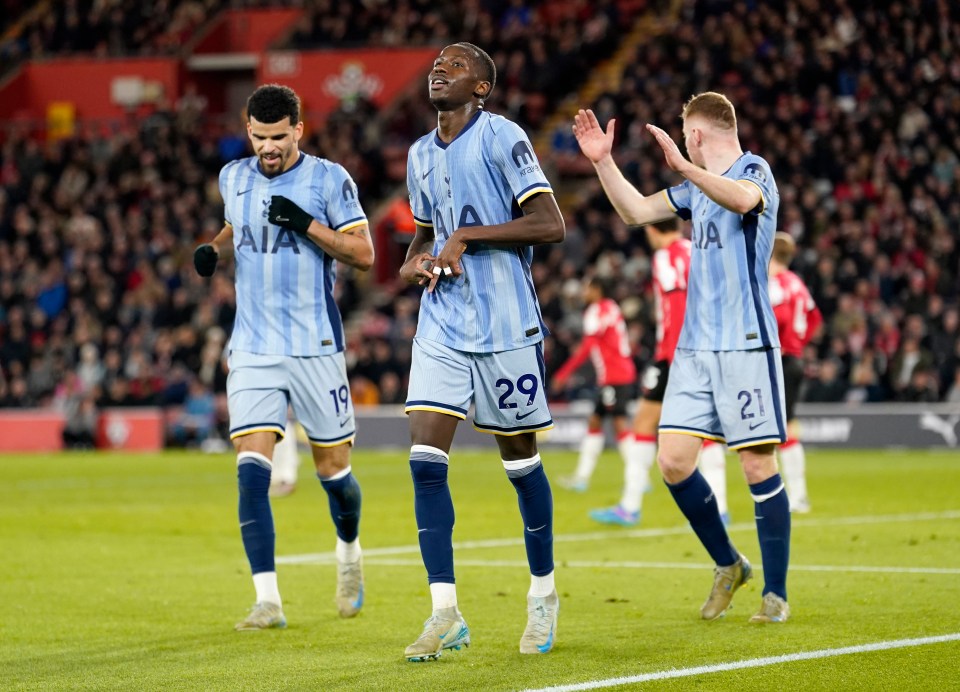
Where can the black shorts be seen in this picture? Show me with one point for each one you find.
(653, 383)
(612, 400)
(792, 377)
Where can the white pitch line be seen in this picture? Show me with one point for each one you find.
(750, 663)
(580, 564)
(313, 558)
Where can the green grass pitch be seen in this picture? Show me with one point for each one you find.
(127, 572)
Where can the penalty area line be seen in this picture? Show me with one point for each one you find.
(750, 663)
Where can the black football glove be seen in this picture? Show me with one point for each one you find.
(205, 259)
(286, 213)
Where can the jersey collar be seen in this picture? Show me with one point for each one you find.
(443, 145)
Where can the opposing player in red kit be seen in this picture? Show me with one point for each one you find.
(605, 344)
(797, 321)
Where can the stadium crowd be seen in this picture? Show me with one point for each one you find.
(857, 111)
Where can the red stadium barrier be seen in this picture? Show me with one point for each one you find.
(325, 78)
(131, 428)
(31, 430)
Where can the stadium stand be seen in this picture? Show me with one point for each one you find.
(96, 230)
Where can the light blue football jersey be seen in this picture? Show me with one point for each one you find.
(728, 307)
(479, 179)
(285, 303)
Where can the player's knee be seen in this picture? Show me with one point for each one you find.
(329, 461)
(674, 464)
(758, 463)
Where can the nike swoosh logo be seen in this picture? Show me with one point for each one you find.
(244, 523)
(528, 413)
(344, 422)
(243, 192)
(282, 219)
(421, 530)
(536, 529)
(424, 176)
(754, 426)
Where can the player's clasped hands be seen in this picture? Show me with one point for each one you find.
(416, 270)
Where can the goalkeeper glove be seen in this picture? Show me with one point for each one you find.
(205, 259)
(286, 213)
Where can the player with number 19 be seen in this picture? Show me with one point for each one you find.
(480, 201)
(290, 217)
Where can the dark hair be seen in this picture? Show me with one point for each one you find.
(605, 286)
(271, 103)
(668, 225)
(488, 69)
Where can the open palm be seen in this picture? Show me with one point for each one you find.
(594, 142)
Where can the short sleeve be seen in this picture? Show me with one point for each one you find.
(757, 171)
(420, 204)
(678, 197)
(514, 156)
(222, 183)
(341, 200)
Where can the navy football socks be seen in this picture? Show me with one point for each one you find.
(256, 519)
(772, 511)
(696, 500)
(345, 499)
(433, 507)
(536, 508)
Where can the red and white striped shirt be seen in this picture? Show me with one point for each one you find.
(797, 315)
(671, 267)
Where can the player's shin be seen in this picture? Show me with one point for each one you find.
(696, 500)
(772, 509)
(256, 523)
(591, 447)
(793, 464)
(713, 466)
(536, 509)
(433, 507)
(343, 493)
(638, 458)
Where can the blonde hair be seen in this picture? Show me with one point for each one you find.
(784, 248)
(714, 107)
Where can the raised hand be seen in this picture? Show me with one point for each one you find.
(594, 142)
(671, 151)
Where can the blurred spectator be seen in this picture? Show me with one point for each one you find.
(197, 419)
(828, 387)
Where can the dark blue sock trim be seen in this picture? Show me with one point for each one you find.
(768, 486)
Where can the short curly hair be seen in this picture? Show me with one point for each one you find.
(271, 103)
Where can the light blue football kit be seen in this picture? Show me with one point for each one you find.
(469, 323)
(726, 381)
(287, 343)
